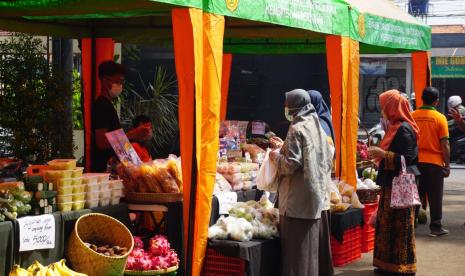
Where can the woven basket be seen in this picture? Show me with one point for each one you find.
(153, 198)
(368, 196)
(168, 271)
(102, 228)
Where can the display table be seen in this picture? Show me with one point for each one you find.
(6, 247)
(64, 225)
(343, 221)
(263, 256)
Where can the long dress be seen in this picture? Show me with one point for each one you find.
(395, 231)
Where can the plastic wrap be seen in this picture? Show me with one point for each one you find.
(221, 185)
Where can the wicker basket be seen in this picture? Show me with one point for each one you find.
(169, 271)
(368, 195)
(102, 228)
(153, 198)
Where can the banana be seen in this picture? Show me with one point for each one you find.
(18, 271)
(51, 270)
(37, 269)
(66, 271)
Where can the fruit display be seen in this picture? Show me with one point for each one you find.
(159, 176)
(106, 249)
(240, 175)
(247, 220)
(55, 269)
(158, 255)
(343, 197)
(14, 202)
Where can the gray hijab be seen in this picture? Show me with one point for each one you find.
(299, 103)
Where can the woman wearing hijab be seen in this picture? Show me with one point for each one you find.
(304, 164)
(395, 237)
(325, 258)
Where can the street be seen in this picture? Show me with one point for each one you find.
(435, 256)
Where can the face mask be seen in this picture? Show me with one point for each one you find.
(116, 90)
(288, 116)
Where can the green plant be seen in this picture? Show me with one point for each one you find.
(33, 101)
(158, 102)
(77, 110)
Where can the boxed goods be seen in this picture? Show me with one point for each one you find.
(62, 164)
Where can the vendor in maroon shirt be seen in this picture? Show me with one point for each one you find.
(105, 118)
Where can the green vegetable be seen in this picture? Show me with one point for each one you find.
(7, 214)
(24, 210)
(12, 206)
(5, 197)
(22, 196)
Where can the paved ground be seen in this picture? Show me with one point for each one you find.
(444, 256)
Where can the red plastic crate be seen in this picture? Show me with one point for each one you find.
(217, 264)
(369, 211)
(368, 232)
(368, 246)
(349, 250)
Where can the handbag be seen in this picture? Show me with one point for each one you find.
(404, 192)
(267, 177)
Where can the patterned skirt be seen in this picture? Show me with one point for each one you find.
(395, 237)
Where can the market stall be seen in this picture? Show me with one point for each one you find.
(198, 33)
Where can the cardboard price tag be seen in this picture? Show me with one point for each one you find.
(36, 232)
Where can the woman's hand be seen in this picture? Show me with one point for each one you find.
(376, 152)
(276, 142)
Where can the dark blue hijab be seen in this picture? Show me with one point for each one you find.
(324, 113)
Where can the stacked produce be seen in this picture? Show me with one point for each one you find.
(43, 196)
(159, 176)
(97, 189)
(158, 255)
(67, 182)
(55, 269)
(14, 201)
(240, 175)
(368, 181)
(247, 220)
(343, 196)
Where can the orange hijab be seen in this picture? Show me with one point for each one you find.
(397, 110)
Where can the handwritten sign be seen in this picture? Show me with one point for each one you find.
(123, 148)
(36, 232)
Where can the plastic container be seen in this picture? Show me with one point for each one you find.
(104, 202)
(79, 205)
(105, 185)
(62, 164)
(349, 250)
(92, 203)
(216, 263)
(61, 199)
(93, 196)
(105, 194)
(93, 188)
(64, 182)
(116, 184)
(79, 196)
(103, 177)
(65, 207)
(115, 200)
(65, 190)
(89, 178)
(76, 181)
(52, 175)
(117, 193)
(77, 172)
(78, 189)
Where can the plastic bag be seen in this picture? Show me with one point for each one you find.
(221, 185)
(174, 167)
(167, 181)
(267, 178)
(356, 202)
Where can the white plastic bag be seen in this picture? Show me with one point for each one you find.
(267, 178)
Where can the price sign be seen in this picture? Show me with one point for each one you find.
(36, 232)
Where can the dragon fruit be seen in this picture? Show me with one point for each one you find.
(172, 258)
(159, 262)
(159, 245)
(137, 253)
(138, 243)
(143, 263)
(130, 263)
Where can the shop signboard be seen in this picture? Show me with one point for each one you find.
(448, 67)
